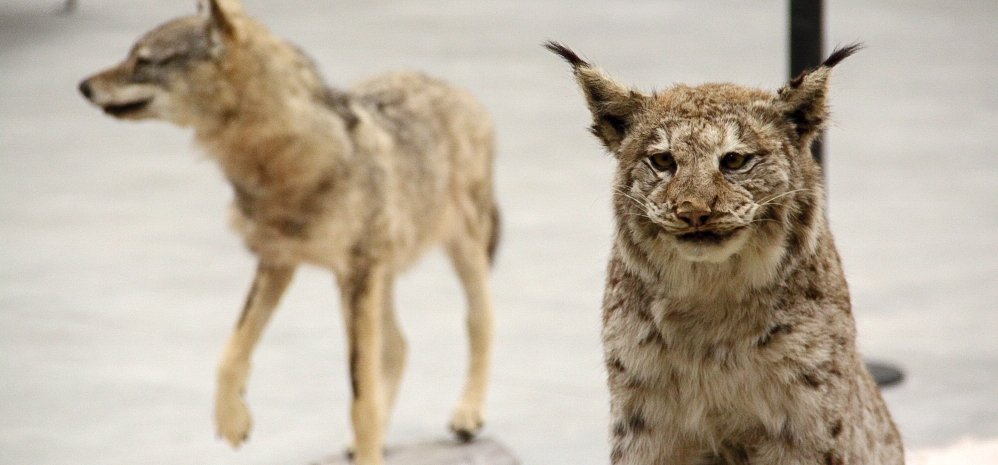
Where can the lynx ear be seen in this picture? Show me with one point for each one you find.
(612, 105)
(226, 18)
(803, 99)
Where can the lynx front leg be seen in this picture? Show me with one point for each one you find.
(232, 418)
(782, 452)
(637, 437)
(363, 293)
(472, 265)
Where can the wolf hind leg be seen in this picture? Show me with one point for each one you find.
(232, 418)
(362, 292)
(470, 258)
(394, 354)
(394, 349)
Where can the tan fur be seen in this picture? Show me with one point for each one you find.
(728, 332)
(359, 182)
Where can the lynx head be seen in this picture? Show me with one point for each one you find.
(196, 68)
(707, 172)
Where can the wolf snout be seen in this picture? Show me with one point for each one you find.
(86, 89)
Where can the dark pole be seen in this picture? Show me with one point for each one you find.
(806, 37)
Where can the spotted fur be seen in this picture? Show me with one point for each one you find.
(727, 325)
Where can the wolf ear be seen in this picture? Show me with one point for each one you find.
(225, 19)
(803, 100)
(612, 105)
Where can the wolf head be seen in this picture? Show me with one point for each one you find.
(702, 171)
(202, 68)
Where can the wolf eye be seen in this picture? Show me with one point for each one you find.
(732, 161)
(662, 161)
(143, 60)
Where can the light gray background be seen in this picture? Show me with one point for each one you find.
(119, 281)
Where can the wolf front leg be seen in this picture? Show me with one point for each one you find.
(232, 418)
(363, 293)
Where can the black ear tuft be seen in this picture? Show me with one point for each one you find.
(841, 53)
(570, 56)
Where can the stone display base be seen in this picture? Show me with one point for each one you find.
(479, 452)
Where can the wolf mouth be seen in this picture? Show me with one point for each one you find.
(706, 237)
(120, 109)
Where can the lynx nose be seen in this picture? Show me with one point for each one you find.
(85, 89)
(693, 215)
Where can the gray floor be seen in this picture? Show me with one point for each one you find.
(119, 280)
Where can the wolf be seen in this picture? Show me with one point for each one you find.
(360, 182)
(728, 332)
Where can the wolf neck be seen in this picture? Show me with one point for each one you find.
(277, 134)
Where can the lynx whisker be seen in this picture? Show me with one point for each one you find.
(767, 201)
(639, 202)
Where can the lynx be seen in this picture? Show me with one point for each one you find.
(727, 329)
(359, 182)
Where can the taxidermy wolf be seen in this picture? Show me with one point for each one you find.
(360, 182)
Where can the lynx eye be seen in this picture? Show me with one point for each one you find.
(662, 161)
(732, 161)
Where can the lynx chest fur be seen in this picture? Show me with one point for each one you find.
(727, 327)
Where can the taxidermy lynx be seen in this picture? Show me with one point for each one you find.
(727, 328)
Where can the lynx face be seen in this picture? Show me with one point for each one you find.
(707, 171)
(698, 170)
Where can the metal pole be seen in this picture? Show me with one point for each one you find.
(806, 37)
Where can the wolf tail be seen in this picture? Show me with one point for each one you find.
(493, 245)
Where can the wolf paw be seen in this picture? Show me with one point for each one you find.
(350, 452)
(466, 422)
(232, 419)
